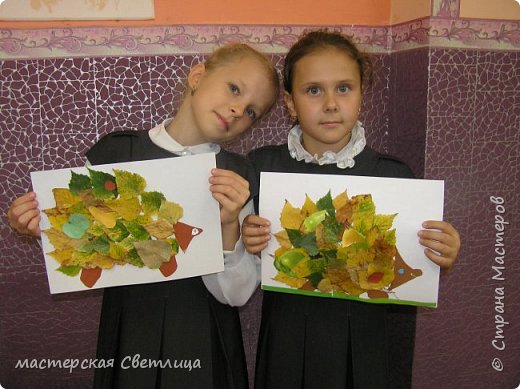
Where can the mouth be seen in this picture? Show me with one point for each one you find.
(223, 120)
(330, 123)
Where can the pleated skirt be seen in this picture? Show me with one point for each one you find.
(170, 334)
(311, 342)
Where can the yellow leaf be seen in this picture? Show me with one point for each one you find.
(340, 200)
(102, 261)
(117, 251)
(291, 217)
(283, 239)
(159, 229)
(58, 221)
(290, 281)
(104, 215)
(350, 237)
(170, 211)
(64, 198)
(62, 255)
(61, 241)
(128, 209)
(309, 206)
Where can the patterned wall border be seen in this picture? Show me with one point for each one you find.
(166, 40)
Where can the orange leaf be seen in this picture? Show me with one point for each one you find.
(168, 268)
(90, 276)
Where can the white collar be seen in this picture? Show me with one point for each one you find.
(344, 158)
(161, 138)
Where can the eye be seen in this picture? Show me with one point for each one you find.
(234, 89)
(251, 114)
(313, 90)
(343, 89)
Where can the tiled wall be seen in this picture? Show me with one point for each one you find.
(473, 141)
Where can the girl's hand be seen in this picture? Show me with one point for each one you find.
(256, 233)
(231, 191)
(441, 241)
(24, 216)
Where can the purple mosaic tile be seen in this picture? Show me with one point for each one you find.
(22, 141)
(68, 106)
(19, 84)
(498, 71)
(375, 106)
(449, 142)
(496, 163)
(456, 194)
(71, 69)
(66, 150)
(452, 90)
(122, 81)
(166, 97)
(18, 250)
(411, 153)
(497, 116)
(117, 118)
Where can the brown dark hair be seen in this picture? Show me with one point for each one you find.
(313, 41)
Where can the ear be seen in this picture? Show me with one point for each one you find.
(289, 102)
(195, 75)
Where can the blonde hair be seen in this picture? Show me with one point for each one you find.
(236, 51)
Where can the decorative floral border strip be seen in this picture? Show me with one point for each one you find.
(191, 39)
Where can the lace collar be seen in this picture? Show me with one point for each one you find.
(161, 138)
(343, 159)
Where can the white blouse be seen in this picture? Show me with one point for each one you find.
(344, 158)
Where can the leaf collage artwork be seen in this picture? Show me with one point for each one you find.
(339, 247)
(103, 220)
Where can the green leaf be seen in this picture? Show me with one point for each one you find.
(79, 183)
(101, 245)
(174, 245)
(137, 230)
(70, 271)
(102, 184)
(325, 203)
(315, 278)
(305, 241)
(151, 201)
(118, 232)
(134, 258)
(129, 185)
(311, 222)
(87, 248)
(76, 226)
(384, 222)
(331, 229)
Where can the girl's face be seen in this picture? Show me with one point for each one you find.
(325, 98)
(228, 99)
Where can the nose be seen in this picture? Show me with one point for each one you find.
(236, 110)
(330, 105)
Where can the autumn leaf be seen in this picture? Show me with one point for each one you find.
(79, 183)
(170, 211)
(104, 215)
(153, 252)
(159, 229)
(291, 217)
(129, 184)
(128, 209)
(151, 201)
